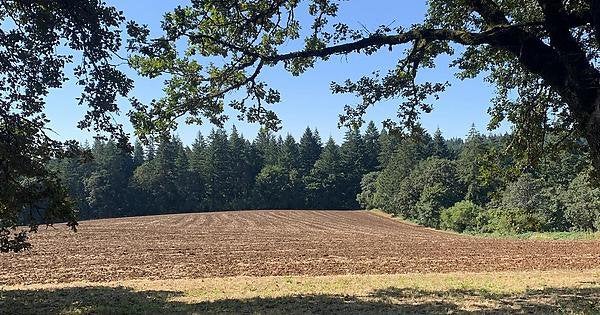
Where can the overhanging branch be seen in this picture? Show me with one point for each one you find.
(493, 36)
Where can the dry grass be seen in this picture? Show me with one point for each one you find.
(498, 292)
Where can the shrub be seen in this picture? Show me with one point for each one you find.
(527, 205)
(461, 217)
(582, 204)
(366, 197)
(513, 221)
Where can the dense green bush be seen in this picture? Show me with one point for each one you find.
(418, 192)
(463, 216)
(583, 204)
(531, 204)
(279, 188)
(511, 221)
(368, 188)
(423, 183)
(438, 187)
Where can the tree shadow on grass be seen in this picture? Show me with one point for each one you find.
(121, 300)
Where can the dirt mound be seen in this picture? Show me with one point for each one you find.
(273, 243)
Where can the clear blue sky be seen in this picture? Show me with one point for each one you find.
(306, 100)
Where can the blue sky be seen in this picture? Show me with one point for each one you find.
(306, 100)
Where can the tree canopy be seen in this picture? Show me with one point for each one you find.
(38, 40)
(541, 55)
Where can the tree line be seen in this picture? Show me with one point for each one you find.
(477, 185)
(471, 185)
(221, 172)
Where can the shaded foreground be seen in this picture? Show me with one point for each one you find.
(274, 243)
(508, 292)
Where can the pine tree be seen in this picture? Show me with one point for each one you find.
(388, 143)
(325, 182)
(470, 164)
(150, 150)
(290, 156)
(266, 145)
(241, 179)
(440, 149)
(198, 172)
(372, 147)
(167, 197)
(138, 154)
(198, 155)
(72, 171)
(107, 185)
(218, 171)
(353, 163)
(395, 192)
(309, 149)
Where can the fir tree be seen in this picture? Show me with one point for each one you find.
(440, 149)
(309, 149)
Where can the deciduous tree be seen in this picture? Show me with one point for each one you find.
(32, 63)
(541, 55)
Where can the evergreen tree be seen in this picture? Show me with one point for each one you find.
(255, 165)
(309, 149)
(372, 148)
(353, 167)
(455, 146)
(165, 181)
(151, 150)
(325, 182)
(188, 189)
(198, 172)
(440, 148)
(138, 154)
(167, 198)
(289, 157)
(437, 183)
(368, 189)
(266, 145)
(72, 171)
(107, 185)
(388, 143)
(395, 192)
(218, 171)
(241, 178)
(198, 155)
(470, 165)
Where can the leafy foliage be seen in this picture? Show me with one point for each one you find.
(477, 190)
(461, 217)
(541, 55)
(32, 64)
(583, 204)
(221, 172)
(227, 172)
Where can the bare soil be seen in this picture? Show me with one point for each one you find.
(273, 243)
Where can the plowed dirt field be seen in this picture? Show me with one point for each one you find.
(261, 243)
